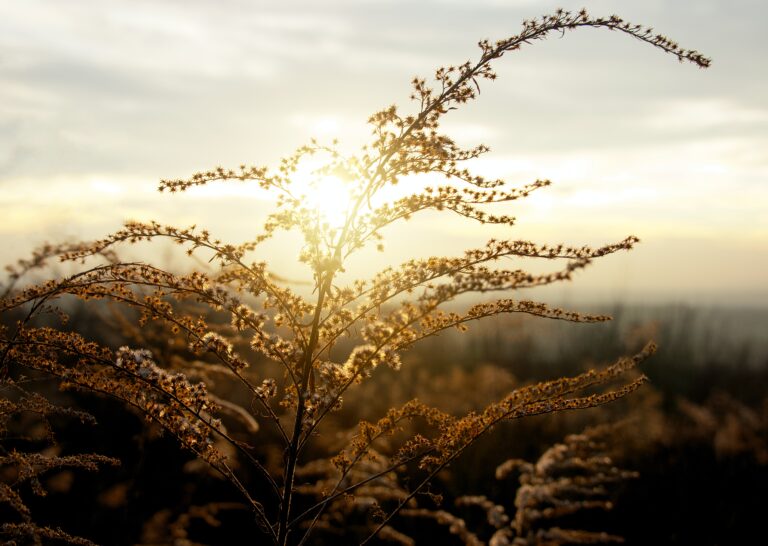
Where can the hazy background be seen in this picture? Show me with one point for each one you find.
(101, 99)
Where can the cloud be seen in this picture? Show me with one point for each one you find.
(696, 114)
(99, 99)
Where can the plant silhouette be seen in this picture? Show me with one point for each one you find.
(294, 367)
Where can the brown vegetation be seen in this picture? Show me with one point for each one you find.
(277, 370)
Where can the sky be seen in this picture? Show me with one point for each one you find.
(101, 99)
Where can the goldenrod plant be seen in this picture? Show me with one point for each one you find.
(295, 368)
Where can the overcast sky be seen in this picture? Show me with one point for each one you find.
(100, 99)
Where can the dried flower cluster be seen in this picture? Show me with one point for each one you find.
(388, 312)
(26, 458)
(574, 476)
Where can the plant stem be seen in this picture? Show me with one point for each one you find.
(293, 447)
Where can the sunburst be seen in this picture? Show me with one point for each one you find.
(328, 194)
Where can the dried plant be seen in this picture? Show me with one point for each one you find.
(571, 477)
(728, 425)
(575, 476)
(161, 529)
(28, 452)
(385, 314)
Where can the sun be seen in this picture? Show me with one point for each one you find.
(329, 195)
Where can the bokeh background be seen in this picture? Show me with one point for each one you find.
(101, 99)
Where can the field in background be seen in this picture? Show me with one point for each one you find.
(698, 434)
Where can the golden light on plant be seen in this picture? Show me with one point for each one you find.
(296, 355)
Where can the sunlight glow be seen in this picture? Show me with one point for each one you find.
(105, 186)
(327, 194)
